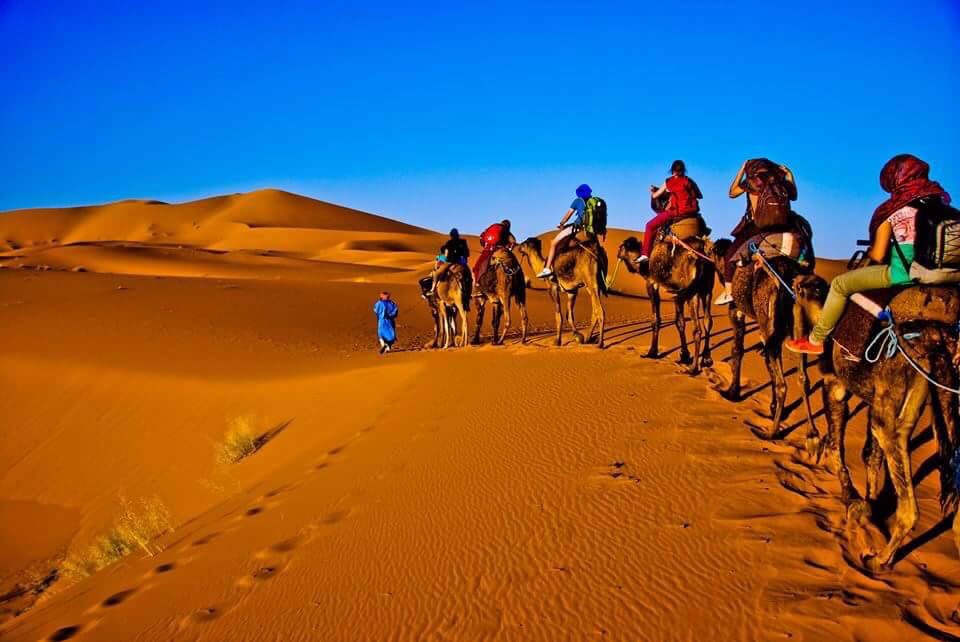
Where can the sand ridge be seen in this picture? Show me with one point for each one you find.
(520, 492)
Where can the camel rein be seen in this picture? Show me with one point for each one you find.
(886, 345)
(678, 241)
(756, 252)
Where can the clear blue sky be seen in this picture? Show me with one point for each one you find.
(444, 115)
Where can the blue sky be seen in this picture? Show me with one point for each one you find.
(446, 115)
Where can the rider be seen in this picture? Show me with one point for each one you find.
(748, 181)
(454, 250)
(569, 225)
(684, 196)
(496, 236)
(905, 177)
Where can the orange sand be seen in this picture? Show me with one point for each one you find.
(515, 493)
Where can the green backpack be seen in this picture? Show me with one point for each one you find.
(595, 216)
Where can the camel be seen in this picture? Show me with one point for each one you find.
(501, 285)
(758, 294)
(447, 305)
(897, 394)
(690, 279)
(582, 266)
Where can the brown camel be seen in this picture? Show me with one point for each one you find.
(690, 279)
(582, 266)
(447, 303)
(501, 285)
(926, 321)
(758, 294)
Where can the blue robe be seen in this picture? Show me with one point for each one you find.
(386, 312)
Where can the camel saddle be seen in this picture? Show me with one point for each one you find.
(908, 303)
(686, 228)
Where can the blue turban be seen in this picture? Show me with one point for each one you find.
(584, 191)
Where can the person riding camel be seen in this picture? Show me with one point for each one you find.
(905, 178)
(496, 236)
(769, 188)
(569, 225)
(684, 195)
(455, 250)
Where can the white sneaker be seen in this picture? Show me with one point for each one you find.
(544, 273)
(723, 299)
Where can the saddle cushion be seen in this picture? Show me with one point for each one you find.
(687, 227)
(857, 327)
(773, 244)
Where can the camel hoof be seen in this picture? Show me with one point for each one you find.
(731, 394)
(651, 354)
(814, 445)
(873, 563)
(766, 435)
(685, 359)
(859, 512)
(578, 338)
(706, 362)
(558, 342)
(601, 345)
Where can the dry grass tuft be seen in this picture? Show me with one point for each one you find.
(135, 528)
(239, 441)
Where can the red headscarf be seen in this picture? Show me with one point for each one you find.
(905, 177)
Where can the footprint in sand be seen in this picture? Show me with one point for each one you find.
(117, 598)
(164, 568)
(64, 633)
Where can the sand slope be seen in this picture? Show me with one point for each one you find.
(519, 493)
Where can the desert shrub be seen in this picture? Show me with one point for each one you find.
(135, 528)
(239, 441)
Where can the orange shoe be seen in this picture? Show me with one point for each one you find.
(804, 346)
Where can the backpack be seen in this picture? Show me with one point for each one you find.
(937, 243)
(595, 216)
(683, 198)
(773, 194)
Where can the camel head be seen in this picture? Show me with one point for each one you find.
(628, 252)
(811, 291)
(718, 250)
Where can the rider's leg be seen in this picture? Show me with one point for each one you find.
(874, 277)
(650, 232)
(548, 268)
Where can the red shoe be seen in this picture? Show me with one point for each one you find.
(804, 346)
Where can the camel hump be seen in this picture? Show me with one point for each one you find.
(933, 303)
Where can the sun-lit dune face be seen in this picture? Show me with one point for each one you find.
(200, 441)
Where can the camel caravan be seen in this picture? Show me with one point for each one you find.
(886, 330)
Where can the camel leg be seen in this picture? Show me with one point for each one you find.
(653, 292)
(739, 323)
(464, 331)
(481, 308)
(571, 303)
(680, 321)
(523, 323)
(706, 358)
(555, 295)
(507, 320)
(773, 356)
(893, 434)
(596, 308)
(874, 463)
(693, 305)
(945, 425)
(436, 328)
(497, 317)
(835, 405)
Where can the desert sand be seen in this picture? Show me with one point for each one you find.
(521, 492)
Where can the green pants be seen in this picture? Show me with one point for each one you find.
(874, 277)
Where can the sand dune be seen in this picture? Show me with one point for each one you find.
(517, 493)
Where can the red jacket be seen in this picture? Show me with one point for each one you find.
(493, 236)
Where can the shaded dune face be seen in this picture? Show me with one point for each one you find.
(514, 492)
